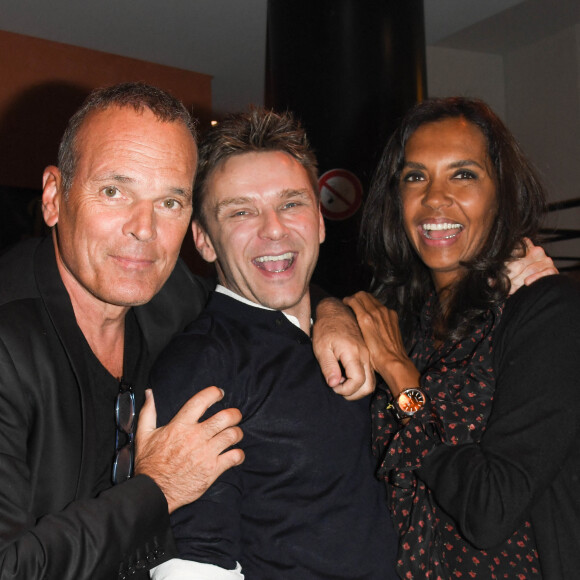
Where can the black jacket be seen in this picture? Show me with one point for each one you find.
(50, 525)
(527, 466)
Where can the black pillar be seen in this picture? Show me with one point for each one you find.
(348, 69)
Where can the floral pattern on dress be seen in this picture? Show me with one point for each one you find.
(459, 381)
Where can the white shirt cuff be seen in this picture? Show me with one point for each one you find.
(177, 569)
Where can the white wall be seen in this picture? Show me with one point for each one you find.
(577, 32)
(541, 85)
(543, 106)
(535, 88)
(468, 74)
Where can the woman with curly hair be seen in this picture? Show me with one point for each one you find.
(477, 423)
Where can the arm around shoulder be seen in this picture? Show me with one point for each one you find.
(341, 351)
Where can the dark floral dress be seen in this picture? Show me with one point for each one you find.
(459, 381)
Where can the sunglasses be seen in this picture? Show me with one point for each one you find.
(124, 445)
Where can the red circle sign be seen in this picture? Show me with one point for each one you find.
(340, 194)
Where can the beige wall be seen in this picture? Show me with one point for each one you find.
(465, 73)
(536, 90)
(43, 82)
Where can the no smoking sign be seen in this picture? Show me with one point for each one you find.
(340, 194)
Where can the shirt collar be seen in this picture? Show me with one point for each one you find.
(223, 290)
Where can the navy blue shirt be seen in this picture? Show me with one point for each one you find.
(305, 503)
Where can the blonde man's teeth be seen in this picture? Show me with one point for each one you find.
(286, 256)
(275, 264)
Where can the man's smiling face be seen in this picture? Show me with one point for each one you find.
(120, 226)
(264, 228)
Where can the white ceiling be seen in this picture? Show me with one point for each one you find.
(446, 17)
(227, 38)
(517, 24)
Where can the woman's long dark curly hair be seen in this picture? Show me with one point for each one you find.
(400, 279)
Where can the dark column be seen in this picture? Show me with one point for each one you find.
(348, 69)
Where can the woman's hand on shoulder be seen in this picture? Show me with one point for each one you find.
(380, 329)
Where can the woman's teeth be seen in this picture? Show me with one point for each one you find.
(430, 229)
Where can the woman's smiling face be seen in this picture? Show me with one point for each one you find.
(448, 194)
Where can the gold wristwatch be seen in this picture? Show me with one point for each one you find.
(407, 403)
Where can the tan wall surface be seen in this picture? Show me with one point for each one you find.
(43, 82)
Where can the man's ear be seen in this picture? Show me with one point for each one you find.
(321, 227)
(51, 195)
(203, 242)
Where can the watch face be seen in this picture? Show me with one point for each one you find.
(410, 401)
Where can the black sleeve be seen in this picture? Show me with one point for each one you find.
(207, 530)
(490, 488)
(125, 528)
(122, 532)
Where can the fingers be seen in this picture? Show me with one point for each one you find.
(199, 404)
(374, 319)
(148, 415)
(224, 433)
(358, 387)
(330, 369)
(196, 407)
(221, 428)
(355, 378)
(339, 348)
(363, 305)
(186, 456)
(538, 265)
(229, 459)
(354, 374)
(356, 300)
(550, 271)
(529, 268)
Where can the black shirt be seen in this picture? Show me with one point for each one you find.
(103, 392)
(305, 503)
